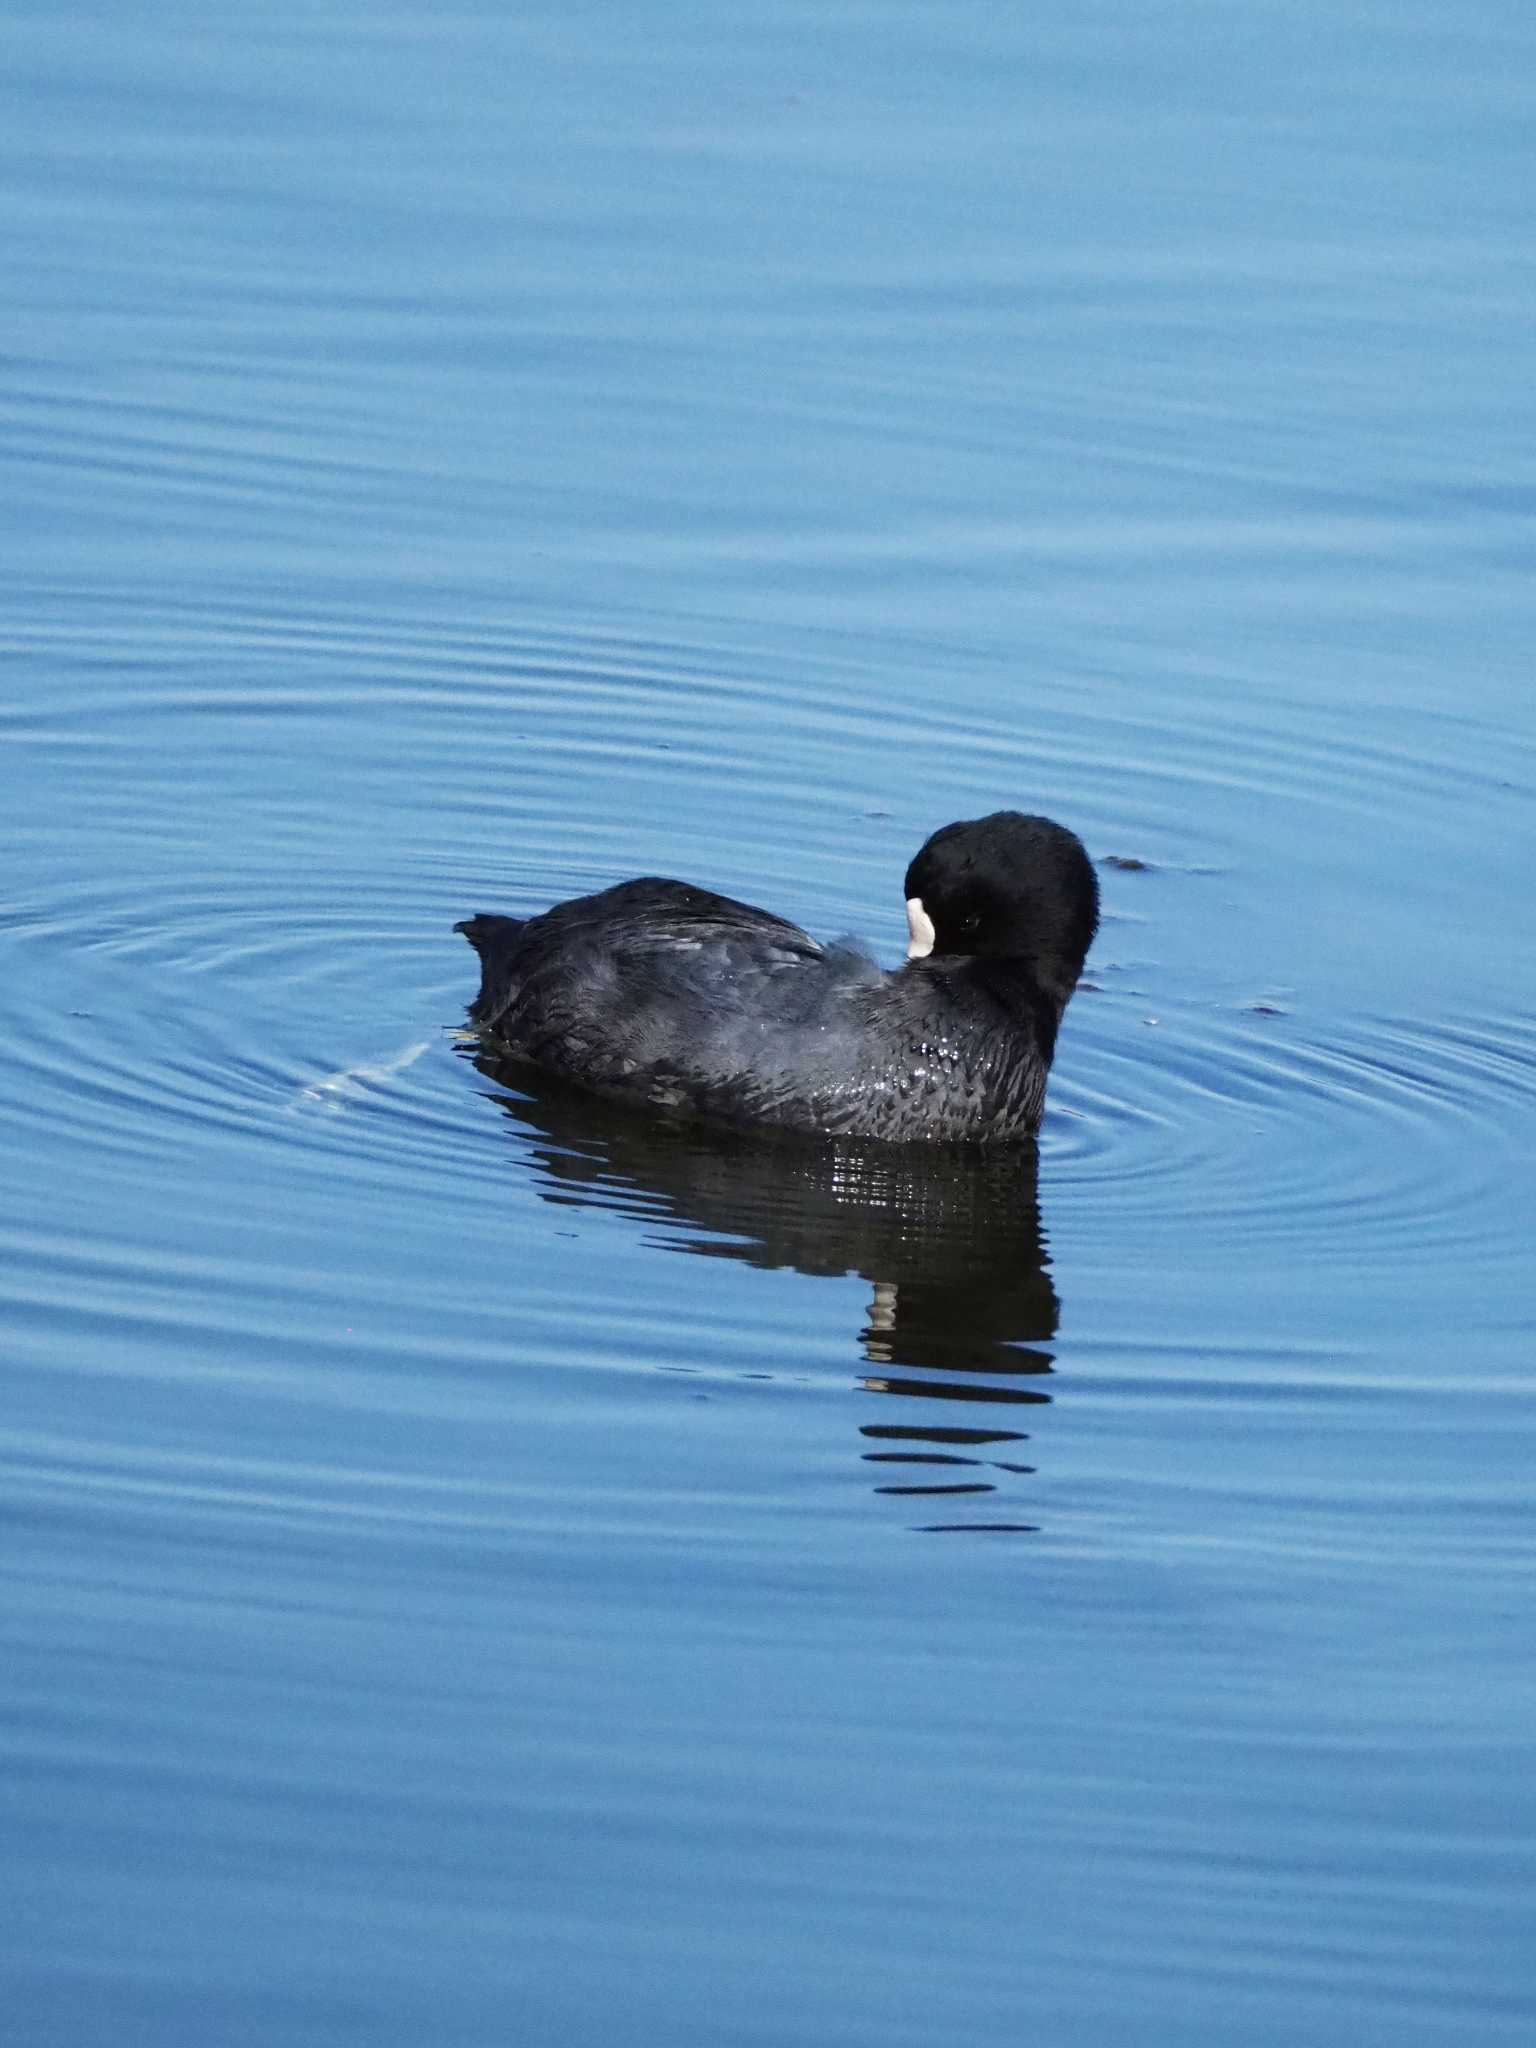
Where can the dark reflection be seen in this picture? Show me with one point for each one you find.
(949, 1240)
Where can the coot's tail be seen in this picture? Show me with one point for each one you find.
(495, 940)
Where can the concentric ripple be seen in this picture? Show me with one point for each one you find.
(1395, 1141)
(245, 954)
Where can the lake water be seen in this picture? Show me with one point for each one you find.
(480, 1569)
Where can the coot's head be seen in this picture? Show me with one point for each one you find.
(1006, 887)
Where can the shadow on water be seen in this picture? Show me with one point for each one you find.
(950, 1241)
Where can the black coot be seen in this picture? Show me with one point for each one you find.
(660, 993)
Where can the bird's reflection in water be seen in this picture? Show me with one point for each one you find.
(949, 1240)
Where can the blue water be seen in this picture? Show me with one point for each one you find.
(481, 1569)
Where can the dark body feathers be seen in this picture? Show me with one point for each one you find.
(662, 993)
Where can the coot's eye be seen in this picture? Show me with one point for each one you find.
(970, 926)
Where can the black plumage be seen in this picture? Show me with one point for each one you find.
(658, 992)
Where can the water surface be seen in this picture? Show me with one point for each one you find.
(481, 1567)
